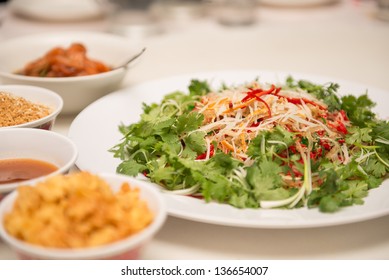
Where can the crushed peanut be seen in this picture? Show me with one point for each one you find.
(16, 110)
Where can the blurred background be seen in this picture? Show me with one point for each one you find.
(340, 39)
(330, 37)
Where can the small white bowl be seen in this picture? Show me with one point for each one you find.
(77, 92)
(36, 144)
(128, 248)
(36, 95)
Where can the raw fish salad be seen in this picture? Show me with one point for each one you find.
(258, 145)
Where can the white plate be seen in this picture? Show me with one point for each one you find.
(95, 130)
(57, 10)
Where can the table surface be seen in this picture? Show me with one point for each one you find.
(344, 41)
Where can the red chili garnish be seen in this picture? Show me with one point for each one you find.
(293, 149)
(320, 133)
(204, 155)
(295, 172)
(299, 101)
(251, 94)
(267, 106)
(289, 128)
(257, 93)
(254, 125)
(344, 115)
(325, 144)
(342, 128)
(316, 154)
(339, 126)
(303, 145)
(199, 196)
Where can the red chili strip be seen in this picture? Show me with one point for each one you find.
(325, 144)
(254, 125)
(204, 155)
(341, 141)
(343, 114)
(251, 94)
(342, 128)
(299, 101)
(256, 93)
(267, 106)
(339, 126)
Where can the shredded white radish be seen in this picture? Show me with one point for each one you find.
(232, 120)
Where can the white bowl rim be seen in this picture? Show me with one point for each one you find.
(104, 251)
(61, 79)
(40, 121)
(6, 188)
(70, 33)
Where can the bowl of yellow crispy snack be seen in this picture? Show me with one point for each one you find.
(82, 216)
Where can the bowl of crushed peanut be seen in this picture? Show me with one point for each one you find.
(82, 215)
(28, 106)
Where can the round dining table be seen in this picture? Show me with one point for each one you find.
(344, 40)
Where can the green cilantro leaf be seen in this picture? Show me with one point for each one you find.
(326, 93)
(358, 109)
(199, 88)
(130, 167)
(358, 135)
(264, 178)
(189, 122)
(196, 141)
(166, 141)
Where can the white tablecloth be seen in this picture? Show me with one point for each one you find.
(344, 41)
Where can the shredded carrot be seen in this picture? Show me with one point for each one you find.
(221, 101)
(240, 106)
(243, 141)
(227, 145)
(232, 114)
(267, 106)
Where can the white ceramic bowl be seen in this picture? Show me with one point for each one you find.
(36, 144)
(36, 95)
(128, 248)
(58, 10)
(77, 92)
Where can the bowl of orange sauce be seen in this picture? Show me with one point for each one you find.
(28, 155)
